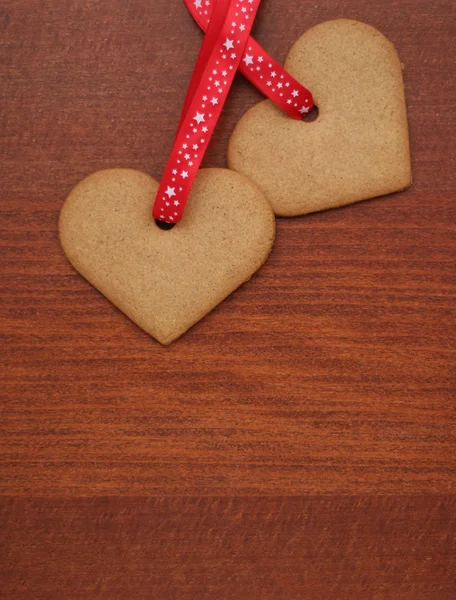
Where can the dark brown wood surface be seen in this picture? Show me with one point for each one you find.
(297, 443)
(316, 548)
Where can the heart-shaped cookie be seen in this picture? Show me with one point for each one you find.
(166, 281)
(357, 148)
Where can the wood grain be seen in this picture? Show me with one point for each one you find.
(179, 549)
(332, 372)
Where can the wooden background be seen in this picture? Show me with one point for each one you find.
(299, 443)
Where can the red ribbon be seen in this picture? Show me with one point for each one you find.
(262, 70)
(225, 48)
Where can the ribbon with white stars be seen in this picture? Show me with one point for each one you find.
(220, 57)
(264, 72)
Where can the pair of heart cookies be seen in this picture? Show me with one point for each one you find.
(357, 148)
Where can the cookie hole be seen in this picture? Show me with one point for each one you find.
(164, 226)
(311, 116)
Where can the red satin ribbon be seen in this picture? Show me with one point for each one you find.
(264, 72)
(218, 61)
(225, 48)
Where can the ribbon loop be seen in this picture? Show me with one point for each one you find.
(227, 47)
(257, 66)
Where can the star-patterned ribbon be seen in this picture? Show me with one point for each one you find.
(219, 59)
(227, 47)
(263, 71)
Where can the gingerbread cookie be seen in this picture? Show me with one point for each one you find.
(357, 148)
(166, 281)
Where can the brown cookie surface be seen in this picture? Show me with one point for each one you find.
(357, 148)
(166, 281)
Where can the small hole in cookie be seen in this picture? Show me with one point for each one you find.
(165, 226)
(311, 116)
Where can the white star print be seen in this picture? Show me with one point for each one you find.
(224, 71)
(199, 118)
